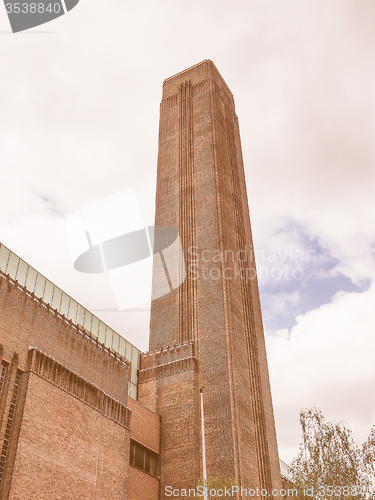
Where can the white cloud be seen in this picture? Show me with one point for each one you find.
(327, 363)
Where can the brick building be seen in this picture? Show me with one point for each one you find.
(84, 414)
(70, 422)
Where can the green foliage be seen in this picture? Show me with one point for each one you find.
(329, 464)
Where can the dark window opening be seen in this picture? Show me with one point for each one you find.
(143, 458)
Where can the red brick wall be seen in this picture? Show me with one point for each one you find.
(69, 425)
(142, 486)
(175, 373)
(145, 426)
(67, 450)
(145, 429)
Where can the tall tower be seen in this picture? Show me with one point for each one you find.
(208, 332)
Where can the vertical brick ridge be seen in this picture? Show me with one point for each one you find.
(12, 425)
(187, 291)
(169, 102)
(200, 87)
(4, 366)
(8, 429)
(247, 304)
(219, 196)
(4, 383)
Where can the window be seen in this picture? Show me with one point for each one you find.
(143, 458)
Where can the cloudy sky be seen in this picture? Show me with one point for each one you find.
(79, 121)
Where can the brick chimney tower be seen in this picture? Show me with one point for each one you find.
(207, 331)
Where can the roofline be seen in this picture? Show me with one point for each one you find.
(194, 66)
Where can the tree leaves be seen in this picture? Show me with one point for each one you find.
(329, 464)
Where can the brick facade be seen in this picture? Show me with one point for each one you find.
(65, 417)
(175, 372)
(77, 454)
(201, 192)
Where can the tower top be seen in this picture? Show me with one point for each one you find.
(201, 71)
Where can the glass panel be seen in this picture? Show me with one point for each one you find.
(135, 358)
(87, 321)
(132, 453)
(133, 373)
(95, 326)
(12, 265)
(31, 279)
(115, 341)
(22, 272)
(48, 292)
(128, 352)
(150, 463)
(64, 308)
(39, 287)
(143, 458)
(73, 309)
(139, 457)
(81, 314)
(108, 338)
(147, 462)
(4, 256)
(102, 332)
(132, 391)
(153, 465)
(56, 301)
(121, 348)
